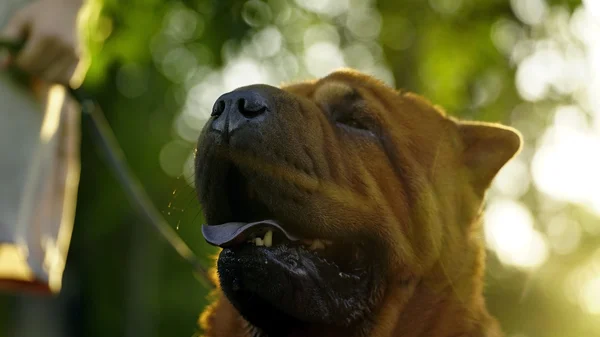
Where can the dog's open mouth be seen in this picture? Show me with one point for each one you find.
(276, 264)
(251, 228)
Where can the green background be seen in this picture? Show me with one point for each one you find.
(123, 280)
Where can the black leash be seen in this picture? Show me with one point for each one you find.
(115, 158)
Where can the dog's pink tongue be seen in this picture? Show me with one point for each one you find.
(232, 233)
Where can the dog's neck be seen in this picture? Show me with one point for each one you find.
(447, 302)
(435, 309)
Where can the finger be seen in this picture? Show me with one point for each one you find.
(15, 30)
(32, 53)
(60, 71)
(49, 54)
(70, 71)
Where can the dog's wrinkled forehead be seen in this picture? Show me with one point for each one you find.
(347, 88)
(338, 93)
(325, 90)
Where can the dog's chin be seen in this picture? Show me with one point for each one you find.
(289, 286)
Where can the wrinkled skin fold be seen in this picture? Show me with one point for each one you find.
(390, 183)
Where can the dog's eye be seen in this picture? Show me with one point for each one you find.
(352, 122)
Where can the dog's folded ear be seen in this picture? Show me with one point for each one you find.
(487, 147)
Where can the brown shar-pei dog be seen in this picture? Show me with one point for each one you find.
(345, 208)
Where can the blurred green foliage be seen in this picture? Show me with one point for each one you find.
(122, 280)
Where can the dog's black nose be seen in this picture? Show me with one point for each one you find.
(238, 108)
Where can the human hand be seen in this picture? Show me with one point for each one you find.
(51, 50)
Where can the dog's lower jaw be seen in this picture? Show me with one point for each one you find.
(222, 319)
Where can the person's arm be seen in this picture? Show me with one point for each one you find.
(52, 48)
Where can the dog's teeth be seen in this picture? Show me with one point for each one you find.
(268, 239)
(317, 244)
(258, 242)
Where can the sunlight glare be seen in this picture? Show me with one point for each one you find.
(509, 232)
(590, 296)
(325, 7)
(267, 42)
(532, 12)
(365, 24)
(563, 166)
(582, 286)
(537, 72)
(513, 180)
(201, 98)
(593, 7)
(241, 72)
(322, 32)
(564, 234)
(323, 57)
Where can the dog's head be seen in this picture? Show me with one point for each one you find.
(370, 190)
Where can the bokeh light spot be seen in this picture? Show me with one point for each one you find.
(321, 33)
(505, 35)
(256, 13)
(182, 24)
(358, 56)
(241, 72)
(326, 7)
(267, 42)
(364, 25)
(446, 7)
(177, 64)
(532, 12)
(563, 166)
(590, 296)
(537, 72)
(564, 234)
(172, 157)
(509, 232)
(513, 180)
(323, 57)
